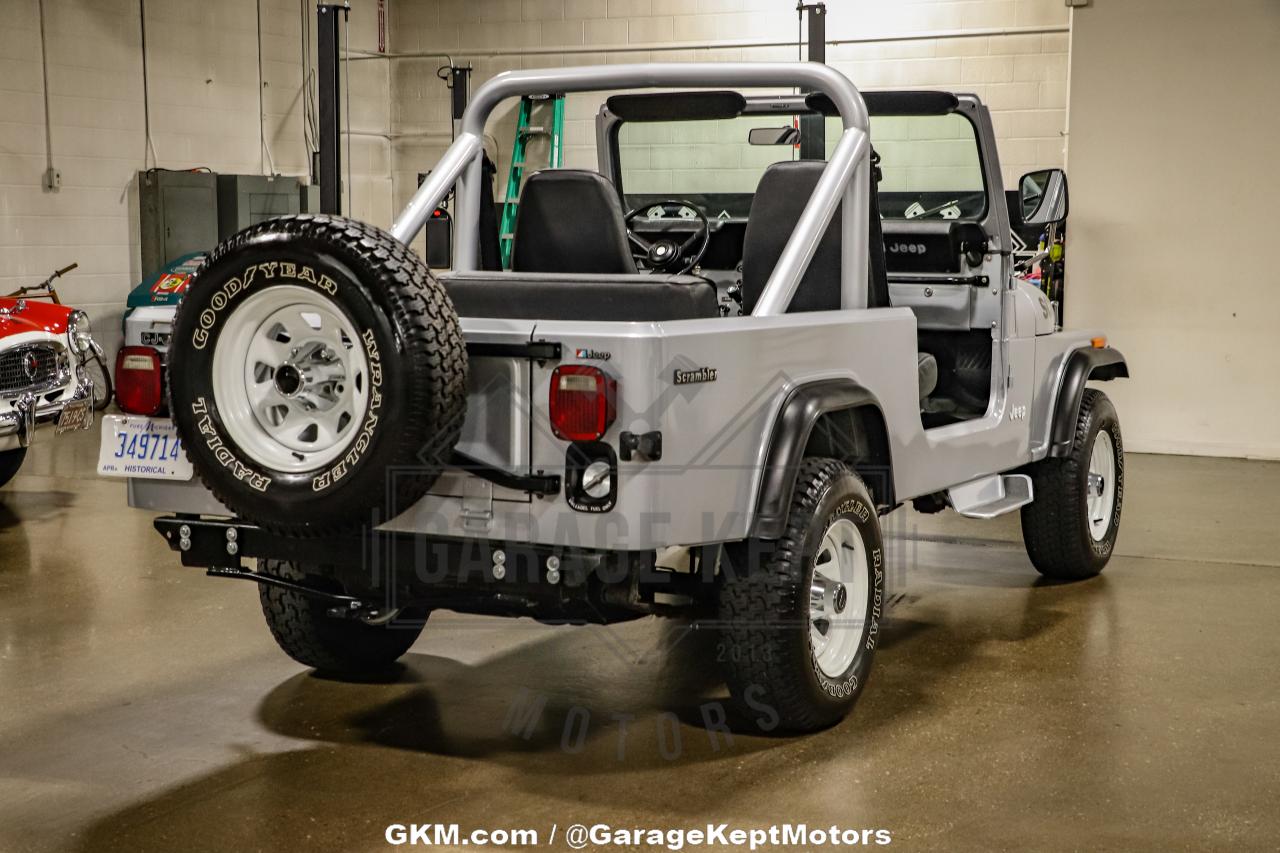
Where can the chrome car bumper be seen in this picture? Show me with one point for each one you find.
(18, 426)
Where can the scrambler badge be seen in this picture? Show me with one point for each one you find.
(698, 374)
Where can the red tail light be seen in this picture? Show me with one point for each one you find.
(139, 389)
(582, 402)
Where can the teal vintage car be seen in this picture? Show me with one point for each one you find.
(148, 319)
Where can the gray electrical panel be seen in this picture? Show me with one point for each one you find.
(178, 215)
(309, 197)
(245, 200)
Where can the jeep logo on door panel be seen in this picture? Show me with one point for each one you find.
(907, 248)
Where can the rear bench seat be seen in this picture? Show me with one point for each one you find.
(581, 296)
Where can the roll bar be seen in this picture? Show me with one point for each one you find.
(846, 179)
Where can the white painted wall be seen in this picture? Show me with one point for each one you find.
(203, 94)
(1023, 77)
(1174, 185)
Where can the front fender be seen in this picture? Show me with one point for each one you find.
(1098, 363)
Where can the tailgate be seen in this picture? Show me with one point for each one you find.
(496, 429)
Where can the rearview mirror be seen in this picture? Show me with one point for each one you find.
(1043, 195)
(774, 136)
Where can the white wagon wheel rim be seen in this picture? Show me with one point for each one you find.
(838, 595)
(1101, 488)
(291, 379)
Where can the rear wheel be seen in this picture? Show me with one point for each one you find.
(341, 646)
(802, 614)
(1070, 528)
(10, 462)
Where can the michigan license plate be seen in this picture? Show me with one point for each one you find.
(147, 448)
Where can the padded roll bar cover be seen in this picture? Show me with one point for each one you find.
(598, 298)
(791, 431)
(570, 221)
(918, 103)
(1098, 363)
(677, 106)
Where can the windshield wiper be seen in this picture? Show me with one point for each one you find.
(931, 211)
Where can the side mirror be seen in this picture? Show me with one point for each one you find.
(1043, 195)
(773, 136)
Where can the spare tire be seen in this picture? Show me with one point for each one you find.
(317, 375)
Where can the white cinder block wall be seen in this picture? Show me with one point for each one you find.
(1017, 62)
(203, 95)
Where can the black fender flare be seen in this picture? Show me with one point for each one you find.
(804, 406)
(1099, 363)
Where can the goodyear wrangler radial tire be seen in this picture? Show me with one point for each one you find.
(317, 374)
(1070, 528)
(801, 615)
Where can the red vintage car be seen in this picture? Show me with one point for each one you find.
(45, 350)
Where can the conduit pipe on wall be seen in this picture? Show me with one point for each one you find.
(728, 44)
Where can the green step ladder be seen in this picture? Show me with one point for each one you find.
(526, 130)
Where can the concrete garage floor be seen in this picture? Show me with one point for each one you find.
(144, 707)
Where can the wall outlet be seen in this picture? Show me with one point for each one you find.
(52, 179)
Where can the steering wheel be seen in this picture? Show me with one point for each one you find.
(666, 254)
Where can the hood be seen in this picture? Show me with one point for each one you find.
(168, 286)
(18, 316)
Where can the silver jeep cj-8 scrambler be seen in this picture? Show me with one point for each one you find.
(700, 408)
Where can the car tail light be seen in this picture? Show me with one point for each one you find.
(139, 387)
(582, 402)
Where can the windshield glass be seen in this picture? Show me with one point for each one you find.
(709, 163)
(931, 165)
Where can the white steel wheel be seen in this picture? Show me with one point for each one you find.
(1100, 496)
(839, 592)
(292, 379)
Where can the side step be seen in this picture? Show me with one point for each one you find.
(987, 497)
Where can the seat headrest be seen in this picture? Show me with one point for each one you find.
(570, 221)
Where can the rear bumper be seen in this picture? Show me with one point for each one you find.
(18, 426)
(384, 571)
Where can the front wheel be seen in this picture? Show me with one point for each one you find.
(1070, 528)
(345, 647)
(103, 390)
(802, 615)
(10, 462)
